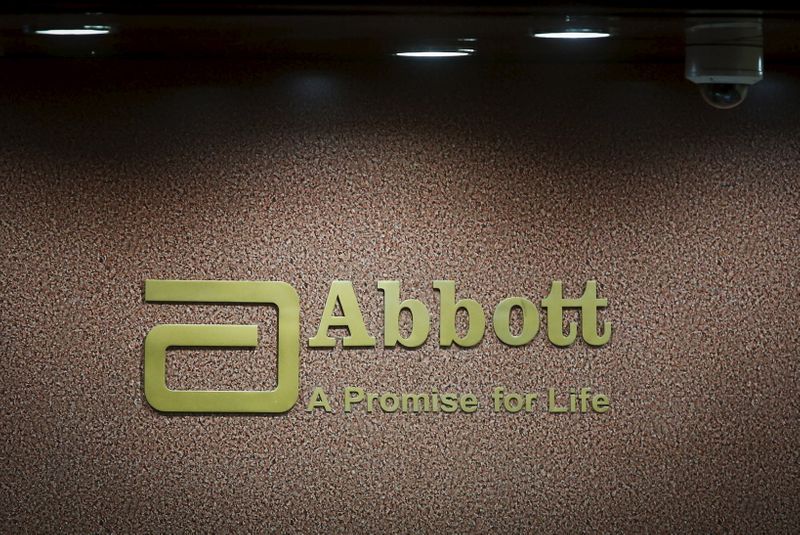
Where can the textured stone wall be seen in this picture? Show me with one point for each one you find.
(502, 177)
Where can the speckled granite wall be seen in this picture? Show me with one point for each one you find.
(502, 177)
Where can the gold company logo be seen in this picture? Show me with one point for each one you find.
(284, 297)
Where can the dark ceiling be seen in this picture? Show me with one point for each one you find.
(183, 7)
(363, 30)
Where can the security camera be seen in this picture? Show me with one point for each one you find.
(723, 96)
(724, 58)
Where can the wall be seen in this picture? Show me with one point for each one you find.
(502, 177)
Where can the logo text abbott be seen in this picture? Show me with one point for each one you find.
(593, 331)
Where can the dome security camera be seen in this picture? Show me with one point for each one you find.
(723, 96)
(724, 58)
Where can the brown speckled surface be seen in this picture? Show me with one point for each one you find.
(502, 177)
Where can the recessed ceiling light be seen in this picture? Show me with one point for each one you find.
(436, 53)
(572, 34)
(86, 30)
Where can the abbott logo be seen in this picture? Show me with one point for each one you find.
(162, 337)
(593, 331)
